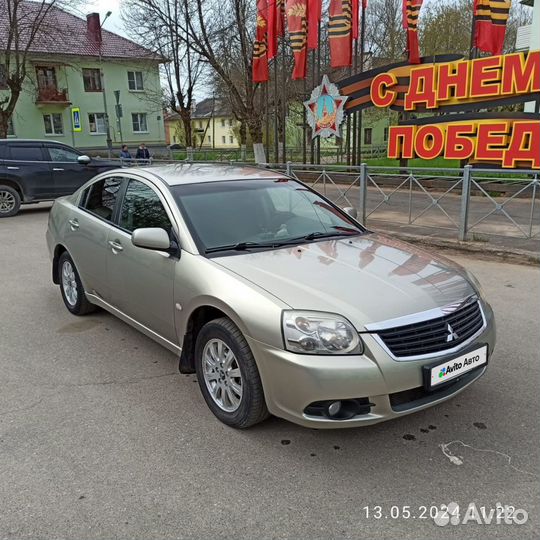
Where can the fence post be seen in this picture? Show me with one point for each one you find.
(465, 202)
(288, 168)
(363, 193)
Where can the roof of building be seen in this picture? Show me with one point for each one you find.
(63, 33)
(195, 173)
(212, 107)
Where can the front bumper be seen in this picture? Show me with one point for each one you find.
(293, 381)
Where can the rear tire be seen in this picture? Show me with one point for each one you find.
(10, 201)
(71, 287)
(228, 376)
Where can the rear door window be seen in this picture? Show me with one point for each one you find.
(100, 197)
(25, 153)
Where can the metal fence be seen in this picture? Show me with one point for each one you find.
(470, 202)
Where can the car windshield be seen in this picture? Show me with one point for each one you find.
(258, 214)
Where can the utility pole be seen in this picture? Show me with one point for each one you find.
(102, 80)
(119, 114)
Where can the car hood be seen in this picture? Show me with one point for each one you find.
(368, 278)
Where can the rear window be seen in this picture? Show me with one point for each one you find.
(100, 198)
(25, 153)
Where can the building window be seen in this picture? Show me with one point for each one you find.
(135, 81)
(92, 80)
(209, 138)
(54, 124)
(46, 77)
(230, 122)
(231, 139)
(97, 123)
(223, 122)
(223, 140)
(367, 135)
(138, 121)
(385, 135)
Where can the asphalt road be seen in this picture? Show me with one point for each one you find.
(101, 437)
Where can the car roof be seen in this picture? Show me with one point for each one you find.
(17, 140)
(195, 173)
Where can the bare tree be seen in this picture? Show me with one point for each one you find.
(162, 26)
(23, 25)
(222, 33)
(385, 37)
(446, 27)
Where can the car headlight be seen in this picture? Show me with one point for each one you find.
(312, 332)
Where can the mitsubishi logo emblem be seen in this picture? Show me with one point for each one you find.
(451, 334)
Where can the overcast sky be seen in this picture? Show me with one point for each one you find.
(114, 22)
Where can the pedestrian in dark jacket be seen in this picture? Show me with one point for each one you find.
(143, 154)
(125, 155)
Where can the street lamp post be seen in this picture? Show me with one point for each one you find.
(102, 80)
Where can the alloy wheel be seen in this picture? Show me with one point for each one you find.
(69, 283)
(222, 375)
(7, 202)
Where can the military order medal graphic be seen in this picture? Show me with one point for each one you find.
(325, 110)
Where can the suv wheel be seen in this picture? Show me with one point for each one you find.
(10, 201)
(228, 375)
(71, 288)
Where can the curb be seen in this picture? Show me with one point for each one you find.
(519, 256)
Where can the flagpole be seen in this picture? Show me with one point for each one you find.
(318, 79)
(276, 112)
(354, 119)
(304, 126)
(359, 113)
(267, 120)
(473, 52)
(313, 84)
(283, 103)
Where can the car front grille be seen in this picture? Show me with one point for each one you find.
(434, 335)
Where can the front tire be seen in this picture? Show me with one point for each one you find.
(228, 376)
(10, 201)
(71, 287)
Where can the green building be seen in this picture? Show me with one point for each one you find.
(70, 94)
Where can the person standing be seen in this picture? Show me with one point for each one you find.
(143, 155)
(125, 156)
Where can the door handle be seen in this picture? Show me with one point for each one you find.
(74, 224)
(12, 168)
(115, 245)
(57, 169)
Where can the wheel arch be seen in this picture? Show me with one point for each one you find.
(58, 250)
(14, 185)
(198, 317)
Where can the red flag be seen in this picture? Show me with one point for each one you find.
(297, 23)
(355, 10)
(490, 18)
(340, 33)
(314, 18)
(276, 25)
(260, 52)
(411, 10)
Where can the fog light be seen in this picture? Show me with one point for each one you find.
(334, 408)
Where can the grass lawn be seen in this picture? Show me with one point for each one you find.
(432, 163)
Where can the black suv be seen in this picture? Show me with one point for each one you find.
(33, 171)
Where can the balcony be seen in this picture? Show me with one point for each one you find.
(51, 95)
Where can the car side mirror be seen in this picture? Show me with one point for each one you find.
(351, 211)
(84, 160)
(151, 238)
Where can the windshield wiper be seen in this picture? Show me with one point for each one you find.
(318, 234)
(240, 246)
